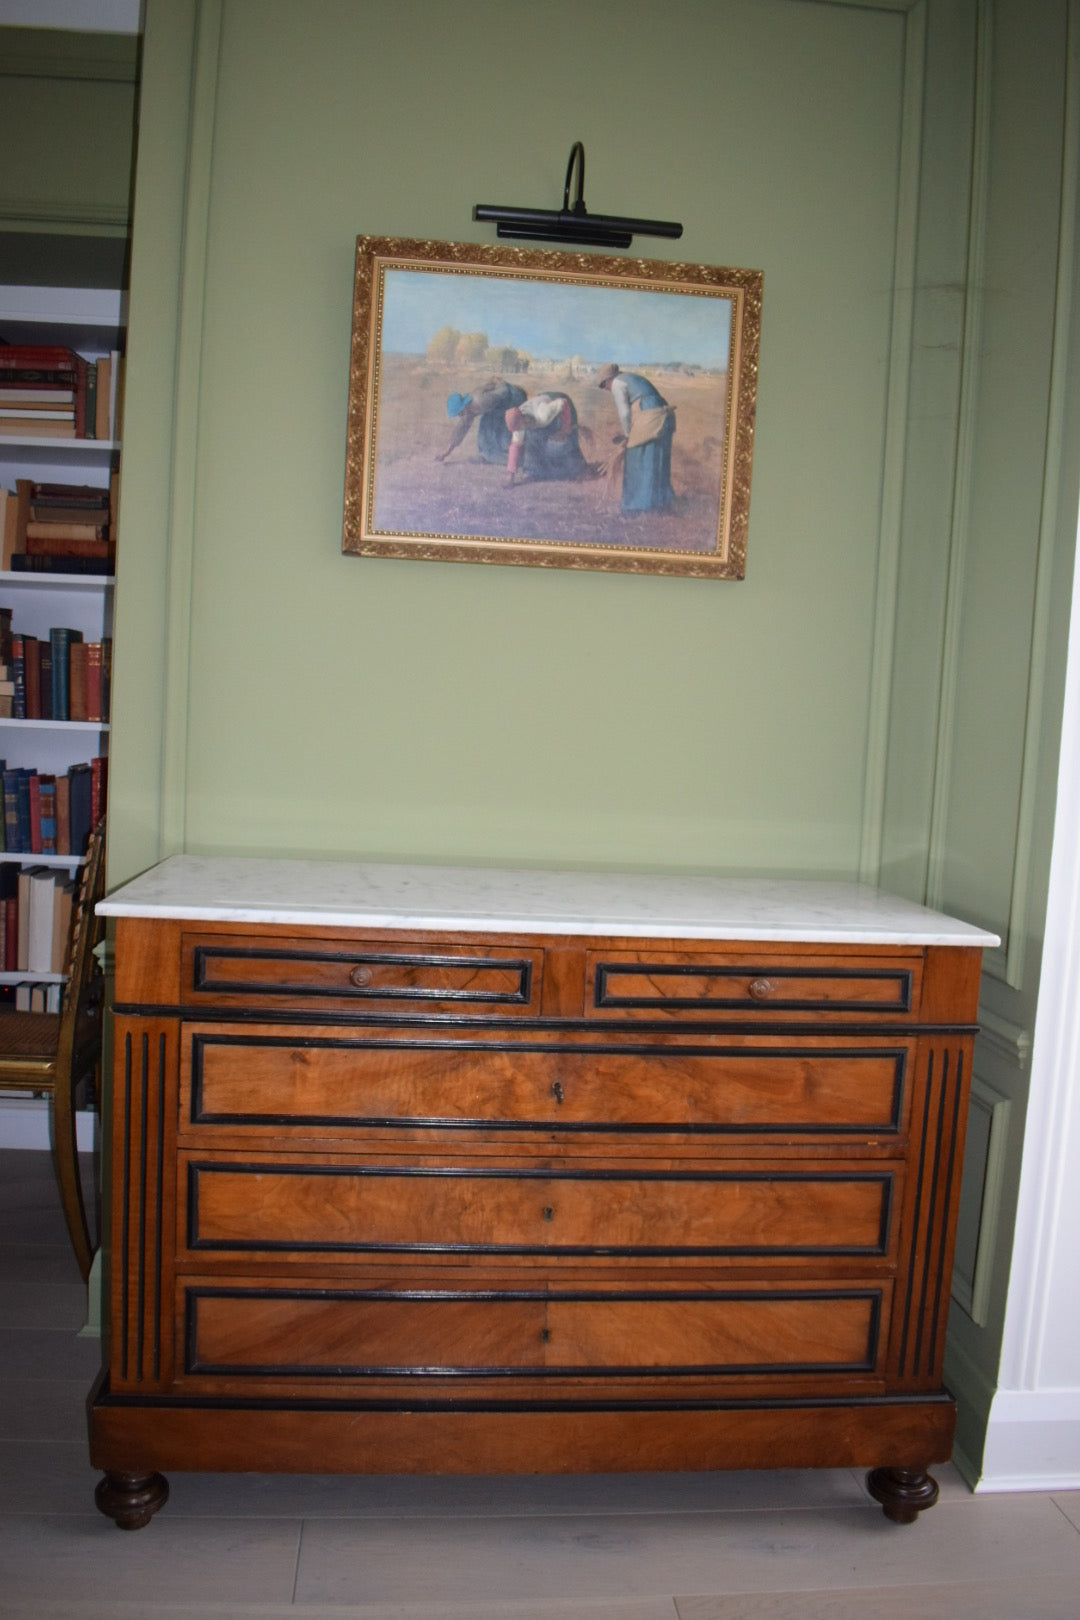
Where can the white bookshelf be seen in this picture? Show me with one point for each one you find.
(91, 321)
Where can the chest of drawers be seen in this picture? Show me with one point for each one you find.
(405, 1179)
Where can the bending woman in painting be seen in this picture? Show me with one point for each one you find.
(648, 427)
(488, 409)
(544, 440)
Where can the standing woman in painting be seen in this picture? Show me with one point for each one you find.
(648, 427)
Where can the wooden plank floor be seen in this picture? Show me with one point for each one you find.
(674, 1547)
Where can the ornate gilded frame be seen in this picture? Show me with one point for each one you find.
(405, 499)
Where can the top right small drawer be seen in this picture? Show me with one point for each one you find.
(769, 985)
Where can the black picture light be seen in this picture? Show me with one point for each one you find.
(572, 222)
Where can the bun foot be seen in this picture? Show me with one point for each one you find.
(904, 1493)
(131, 1499)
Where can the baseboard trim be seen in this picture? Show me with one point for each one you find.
(1032, 1441)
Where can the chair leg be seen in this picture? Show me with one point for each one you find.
(66, 1160)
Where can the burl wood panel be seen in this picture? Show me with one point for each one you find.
(358, 974)
(290, 1334)
(755, 982)
(267, 1206)
(276, 1076)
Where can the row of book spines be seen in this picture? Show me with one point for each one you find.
(54, 392)
(35, 921)
(33, 539)
(61, 520)
(32, 997)
(63, 678)
(46, 814)
(64, 511)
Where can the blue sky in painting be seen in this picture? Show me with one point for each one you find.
(557, 321)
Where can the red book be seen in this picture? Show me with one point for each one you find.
(35, 815)
(37, 357)
(82, 418)
(99, 784)
(32, 671)
(11, 932)
(63, 815)
(94, 710)
(77, 682)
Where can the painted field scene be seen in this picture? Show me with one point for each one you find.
(512, 408)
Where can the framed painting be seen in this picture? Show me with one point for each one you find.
(551, 409)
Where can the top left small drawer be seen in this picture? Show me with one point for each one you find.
(399, 976)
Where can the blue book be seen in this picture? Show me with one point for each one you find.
(24, 844)
(18, 676)
(48, 815)
(80, 794)
(11, 812)
(60, 639)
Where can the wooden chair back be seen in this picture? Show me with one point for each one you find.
(59, 1054)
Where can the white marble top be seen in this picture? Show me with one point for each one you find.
(313, 893)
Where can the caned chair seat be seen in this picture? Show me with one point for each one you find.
(59, 1054)
(26, 1036)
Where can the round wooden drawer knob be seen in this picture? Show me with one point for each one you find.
(762, 989)
(360, 977)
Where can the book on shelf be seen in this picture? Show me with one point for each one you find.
(47, 813)
(33, 784)
(9, 507)
(36, 907)
(98, 679)
(42, 670)
(80, 787)
(18, 677)
(37, 362)
(70, 549)
(93, 385)
(34, 394)
(40, 927)
(60, 504)
(63, 815)
(22, 564)
(78, 695)
(99, 784)
(103, 422)
(9, 919)
(47, 807)
(63, 904)
(22, 428)
(80, 495)
(65, 531)
(31, 413)
(22, 932)
(38, 998)
(44, 655)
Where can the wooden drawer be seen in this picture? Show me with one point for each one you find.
(328, 1332)
(770, 984)
(264, 1077)
(271, 1209)
(333, 975)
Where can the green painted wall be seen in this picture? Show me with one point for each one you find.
(391, 708)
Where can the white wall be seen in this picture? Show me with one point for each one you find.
(1033, 1439)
